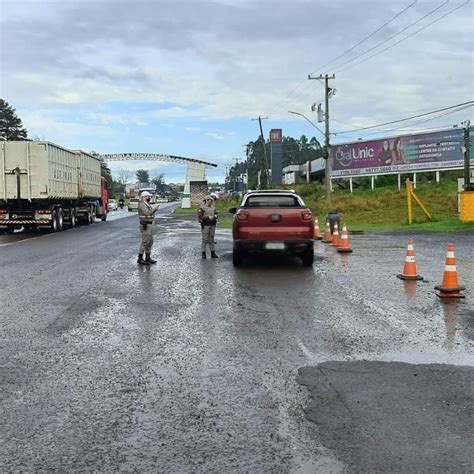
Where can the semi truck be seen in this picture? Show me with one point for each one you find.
(46, 186)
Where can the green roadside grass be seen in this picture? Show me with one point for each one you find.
(381, 210)
(225, 219)
(191, 210)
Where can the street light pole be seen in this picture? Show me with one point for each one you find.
(306, 118)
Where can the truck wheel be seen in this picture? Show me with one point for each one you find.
(237, 258)
(87, 219)
(307, 258)
(104, 217)
(73, 218)
(60, 217)
(54, 221)
(92, 215)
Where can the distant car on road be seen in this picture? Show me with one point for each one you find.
(273, 221)
(133, 204)
(113, 206)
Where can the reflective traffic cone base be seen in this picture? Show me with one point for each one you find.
(327, 234)
(317, 232)
(409, 270)
(336, 242)
(345, 246)
(450, 287)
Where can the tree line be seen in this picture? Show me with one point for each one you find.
(295, 152)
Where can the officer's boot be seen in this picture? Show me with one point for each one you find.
(149, 259)
(140, 260)
(213, 254)
(203, 254)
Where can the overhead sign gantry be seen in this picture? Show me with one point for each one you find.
(195, 169)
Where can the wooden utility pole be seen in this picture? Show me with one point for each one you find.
(327, 177)
(265, 171)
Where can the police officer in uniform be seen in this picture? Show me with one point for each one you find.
(207, 216)
(146, 214)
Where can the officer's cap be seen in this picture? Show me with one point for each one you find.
(145, 194)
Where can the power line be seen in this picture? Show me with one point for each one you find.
(413, 123)
(469, 104)
(367, 37)
(418, 111)
(410, 124)
(406, 37)
(301, 86)
(292, 97)
(449, 112)
(391, 37)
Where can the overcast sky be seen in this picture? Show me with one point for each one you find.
(186, 77)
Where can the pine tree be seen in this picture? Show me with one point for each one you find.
(11, 127)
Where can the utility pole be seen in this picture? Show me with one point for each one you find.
(227, 177)
(265, 173)
(236, 174)
(468, 186)
(328, 91)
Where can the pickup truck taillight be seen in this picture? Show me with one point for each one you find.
(44, 211)
(242, 216)
(3, 211)
(306, 216)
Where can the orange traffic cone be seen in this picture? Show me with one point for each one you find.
(317, 232)
(409, 270)
(345, 246)
(336, 241)
(327, 234)
(450, 287)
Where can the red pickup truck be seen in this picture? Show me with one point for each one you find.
(273, 221)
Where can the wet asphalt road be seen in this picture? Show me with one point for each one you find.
(194, 366)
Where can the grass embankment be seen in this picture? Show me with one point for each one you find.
(386, 208)
(382, 209)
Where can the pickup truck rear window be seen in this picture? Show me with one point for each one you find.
(272, 201)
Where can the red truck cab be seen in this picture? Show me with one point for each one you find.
(273, 221)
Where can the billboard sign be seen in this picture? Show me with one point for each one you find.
(275, 135)
(422, 152)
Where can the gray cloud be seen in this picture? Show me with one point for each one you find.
(227, 58)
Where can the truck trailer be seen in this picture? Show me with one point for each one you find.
(46, 186)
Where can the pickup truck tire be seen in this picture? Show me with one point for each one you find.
(307, 258)
(237, 258)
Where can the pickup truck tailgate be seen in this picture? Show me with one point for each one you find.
(274, 224)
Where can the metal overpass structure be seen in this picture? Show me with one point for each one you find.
(195, 169)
